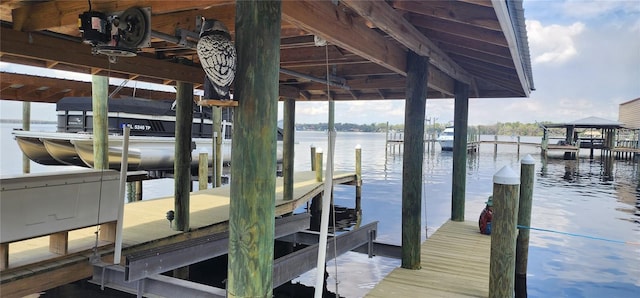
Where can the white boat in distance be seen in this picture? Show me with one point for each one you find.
(446, 139)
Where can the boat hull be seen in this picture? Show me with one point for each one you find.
(145, 153)
(446, 145)
(446, 139)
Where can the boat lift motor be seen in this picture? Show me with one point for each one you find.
(118, 35)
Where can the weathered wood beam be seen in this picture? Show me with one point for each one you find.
(457, 28)
(38, 16)
(361, 69)
(444, 38)
(456, 51)
(313, 55)
(77, 88)
(467, 13)
(40, 46)
(498, 81)
(338, 27)
(391, 22)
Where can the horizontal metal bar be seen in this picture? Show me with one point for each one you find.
(292, 265)
(157, 260)
(112, 276)
(379, 249)
(284, 269)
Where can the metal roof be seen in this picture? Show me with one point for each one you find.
(589, 122)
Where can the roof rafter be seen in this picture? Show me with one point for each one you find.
(38, 16)
(391, 22)
(339, 28)
(36, 45)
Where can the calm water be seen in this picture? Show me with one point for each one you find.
(569, 196)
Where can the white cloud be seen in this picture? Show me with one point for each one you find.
(598, 9)
(553, 43)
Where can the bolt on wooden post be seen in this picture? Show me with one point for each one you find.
(506, 188)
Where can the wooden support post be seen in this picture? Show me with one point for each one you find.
(4, 256)
(131, 189)
(460, 121)
(506, 188)
(495, 144)
(313, 157)
(318, 164)
(544, 146)
(182, 165)
(518, 145)
(26, 126)
(288, 143)
(358, 178)
(386, 142)
(100, 107)
(108, 231)
(203, 170)
(527, 178)
(414, 112)
(138, 188)
(59, 243)
(217, 146)
(253, 166)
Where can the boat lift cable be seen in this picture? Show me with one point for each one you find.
(115, 91)
(326, 198)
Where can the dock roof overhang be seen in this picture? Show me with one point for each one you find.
(589, 122)
(482, 43)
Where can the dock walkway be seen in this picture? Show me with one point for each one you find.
(455, 263)
(33, 268)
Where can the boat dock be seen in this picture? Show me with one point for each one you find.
(454, 261)
(32, 267)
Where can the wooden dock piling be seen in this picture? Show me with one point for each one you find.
(182, 165)
(203, 170)
(26, 126)
(358, 178)
(412, 160)
(506, 188)
(100, 108)
(288, 144)
(217, 136)
(253, 153)
(460, 148)
(318, 164)
(527, 178)
(313, 157)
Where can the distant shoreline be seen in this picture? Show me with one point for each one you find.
(32, 121)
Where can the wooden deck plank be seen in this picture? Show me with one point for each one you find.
(145, 225)
(455, 263)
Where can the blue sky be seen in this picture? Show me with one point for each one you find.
(585, 58)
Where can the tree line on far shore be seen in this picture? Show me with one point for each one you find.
(506, 128)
